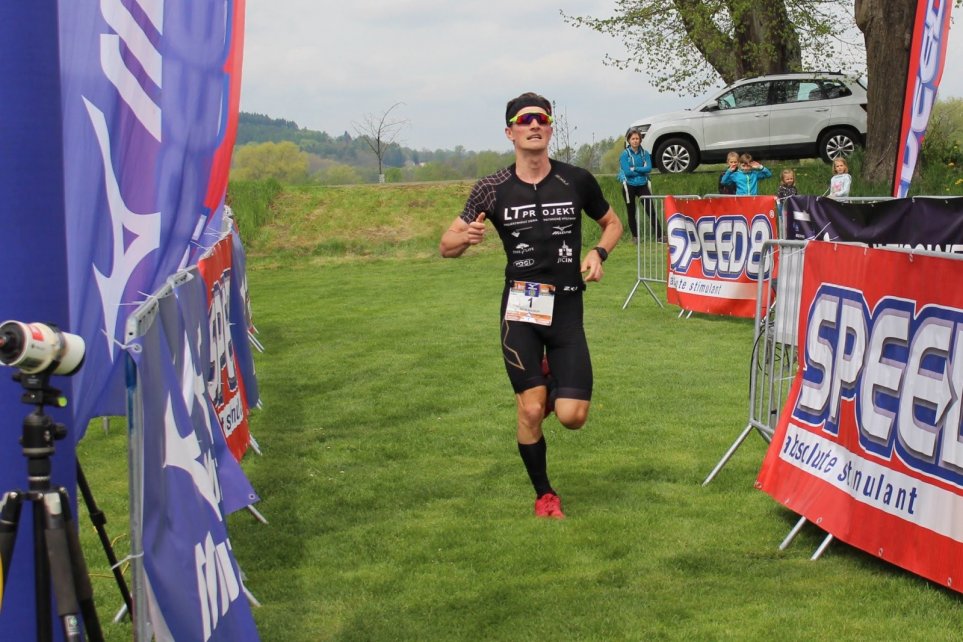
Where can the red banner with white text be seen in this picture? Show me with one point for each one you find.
(869, 443)
(715, 252)
(225, 381)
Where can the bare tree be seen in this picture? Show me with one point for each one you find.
(380, 133)
(563, 147)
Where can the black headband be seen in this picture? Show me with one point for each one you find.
(526, 100)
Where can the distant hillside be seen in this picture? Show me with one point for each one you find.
(344, 148)
(258, 128)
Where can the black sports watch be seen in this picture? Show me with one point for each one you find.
(603, 253)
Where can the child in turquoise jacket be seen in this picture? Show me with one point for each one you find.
(746, 178)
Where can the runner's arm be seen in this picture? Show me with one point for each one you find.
(611, 232)
(461, 235)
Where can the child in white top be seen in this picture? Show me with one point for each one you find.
(841, 181)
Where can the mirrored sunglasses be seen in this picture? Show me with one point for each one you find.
(532, 116)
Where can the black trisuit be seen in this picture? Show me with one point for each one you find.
(541, 230)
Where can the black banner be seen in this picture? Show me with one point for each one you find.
(934, 224)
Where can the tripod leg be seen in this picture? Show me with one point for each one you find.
(10, 507)
(84, 590)
(99, 520)
(61, 569)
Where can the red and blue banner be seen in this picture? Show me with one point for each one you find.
(931, 32)
(715, 252)
(150, 93)
(225, 379)
(195, 585)
(869, 443)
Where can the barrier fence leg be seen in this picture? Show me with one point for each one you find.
(631, 294)
(822, 548)
(725, 458)
(638, 263)
(792, 534)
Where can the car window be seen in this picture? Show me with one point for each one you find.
(811, 90)
(836, 89)
(786, 91)
(749, 95)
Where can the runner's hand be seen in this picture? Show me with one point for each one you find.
(476, 230)
(592, 266)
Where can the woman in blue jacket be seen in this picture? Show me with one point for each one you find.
(635, 164)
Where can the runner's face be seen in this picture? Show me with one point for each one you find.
(531, 137)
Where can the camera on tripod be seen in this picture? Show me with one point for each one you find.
(37, 348)
(39, 351)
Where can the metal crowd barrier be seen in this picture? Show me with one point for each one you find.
(773, 360)
(650, 251)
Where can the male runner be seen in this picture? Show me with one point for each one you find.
(536, 206)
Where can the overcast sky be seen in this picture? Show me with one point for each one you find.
(325, 64)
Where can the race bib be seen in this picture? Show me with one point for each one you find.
(530, 302)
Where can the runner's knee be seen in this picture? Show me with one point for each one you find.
(572, 413)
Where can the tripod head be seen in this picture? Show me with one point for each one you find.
(39, 429)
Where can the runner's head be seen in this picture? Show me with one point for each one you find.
(528, 99)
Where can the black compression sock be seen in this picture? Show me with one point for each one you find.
(534, 457)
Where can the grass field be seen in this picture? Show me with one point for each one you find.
(399, 508)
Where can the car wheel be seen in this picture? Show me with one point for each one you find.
(676, 155)
(835, 143)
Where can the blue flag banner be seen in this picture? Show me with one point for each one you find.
(236, 490)
(150, 94)
(194, 583)
(241, 319)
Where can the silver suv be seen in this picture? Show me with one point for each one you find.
(778, 117)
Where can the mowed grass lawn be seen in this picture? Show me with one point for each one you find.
(398, 505)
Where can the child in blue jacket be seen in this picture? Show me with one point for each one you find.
(746, 178)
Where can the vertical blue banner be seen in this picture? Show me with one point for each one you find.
(196, 591)
(33, 264)
(150, 92)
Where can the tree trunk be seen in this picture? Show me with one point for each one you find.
(887, 27)
(764, 41)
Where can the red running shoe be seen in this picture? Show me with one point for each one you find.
(549, 505)
(552, 387)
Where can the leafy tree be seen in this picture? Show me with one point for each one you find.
(729, 39)
(282, 161)
(611, 155)
(489, 162)
(338, 174)
(435, 171)
(685, 46)
(944, 135)
(394, 157)
(586, 157)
